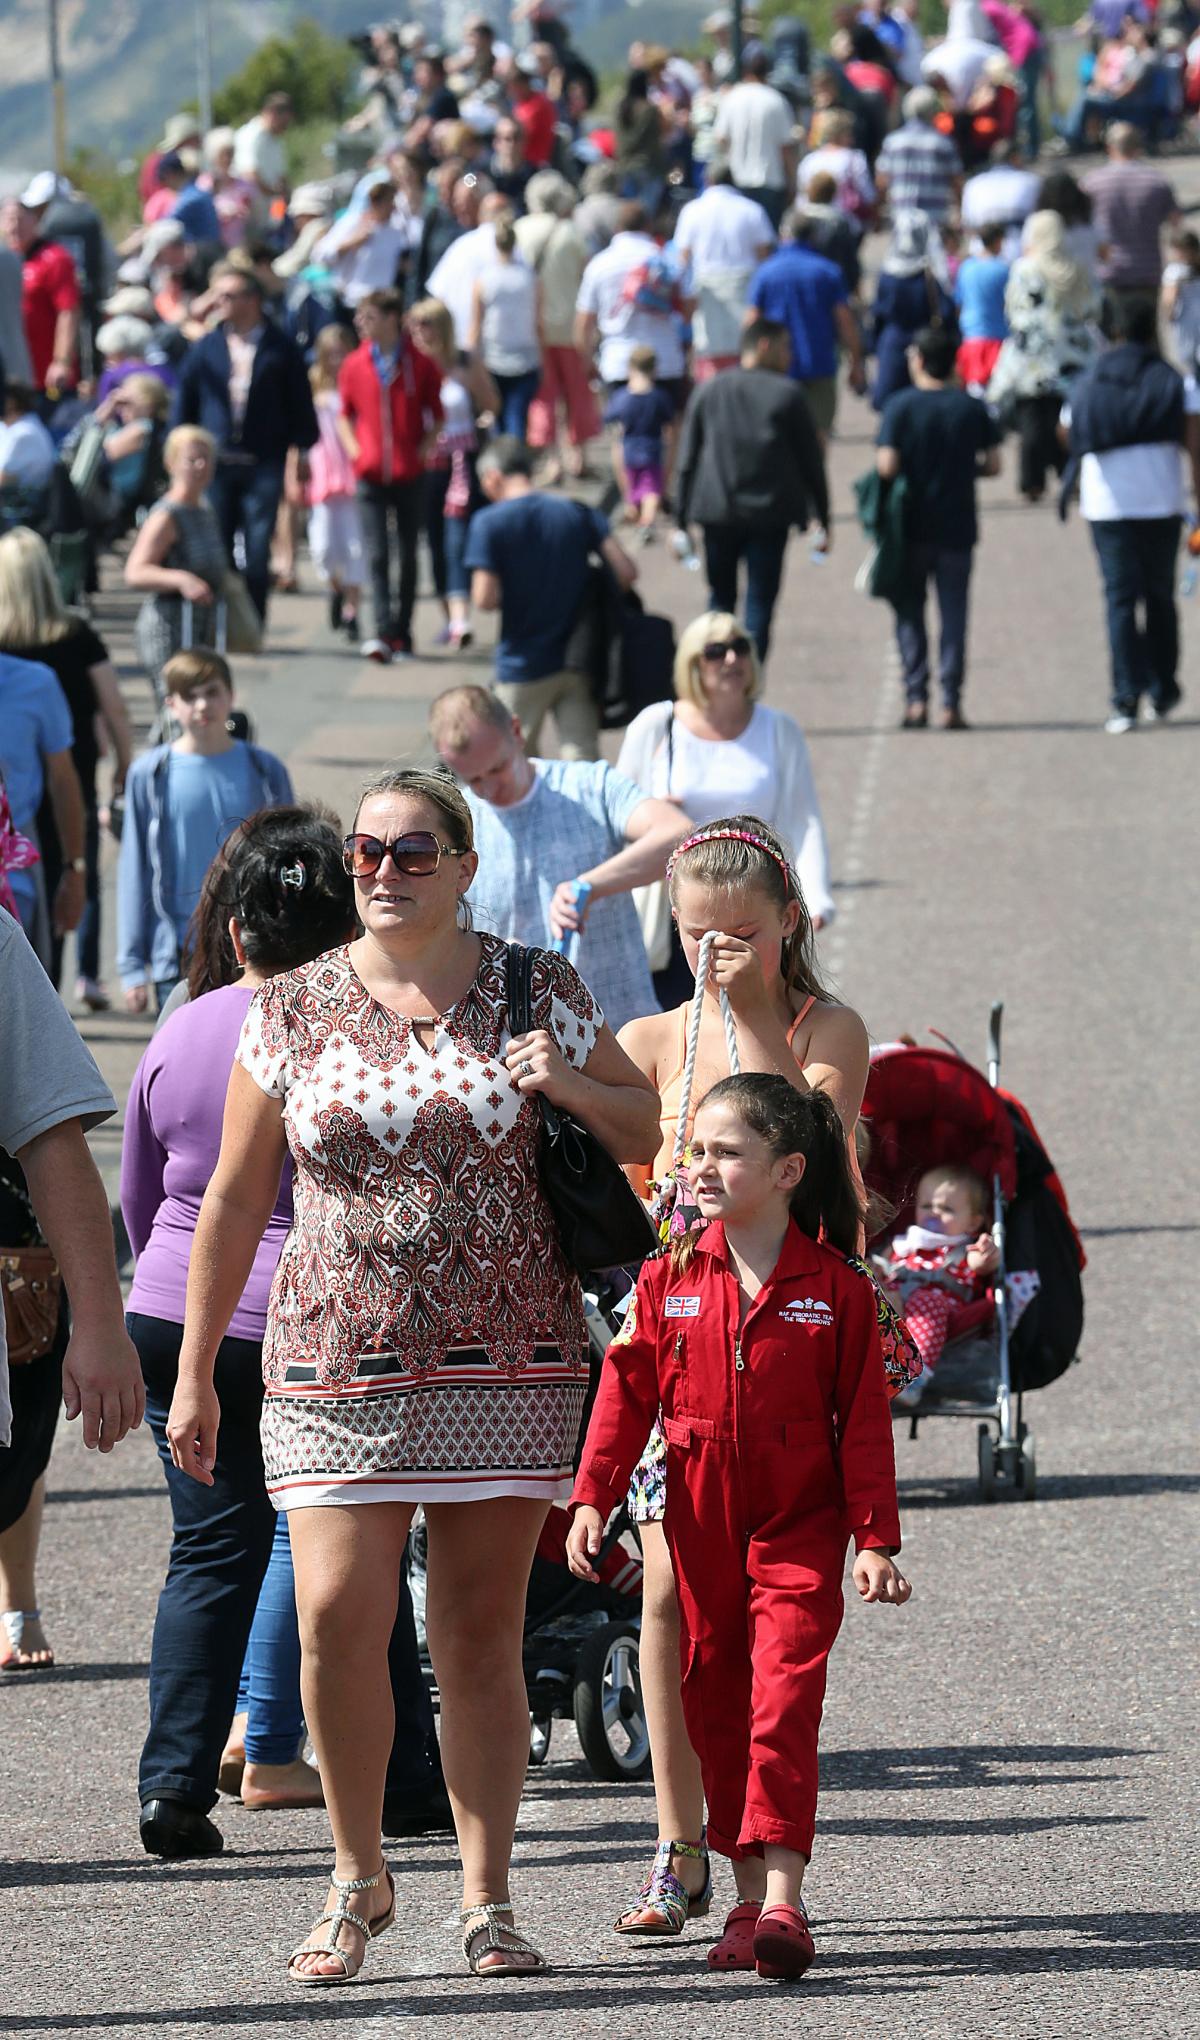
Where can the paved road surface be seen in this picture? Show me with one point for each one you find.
(1009, 1829)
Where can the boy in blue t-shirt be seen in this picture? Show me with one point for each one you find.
(979, 294)
(181, 801)
(642, 412)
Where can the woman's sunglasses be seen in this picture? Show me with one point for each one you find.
(716, 652)
(416, 856)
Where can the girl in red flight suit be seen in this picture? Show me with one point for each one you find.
(761, 1346)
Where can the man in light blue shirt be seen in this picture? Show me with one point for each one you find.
(36, 735)
(544, 826)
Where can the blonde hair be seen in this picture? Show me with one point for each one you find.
(182, 436)
(323, 375)
(32, 611)
(149, 391)
(434, 787)
(739, 852)
(436, 315)
(714, 627)
(506, 233)
(835, 125)
(456, 716)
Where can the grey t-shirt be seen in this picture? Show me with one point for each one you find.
(14, 351)
(47, 1075)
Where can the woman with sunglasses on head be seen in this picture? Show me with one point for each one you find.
(718, 749)
(425, 1339)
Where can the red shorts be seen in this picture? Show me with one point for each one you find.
(975, 361)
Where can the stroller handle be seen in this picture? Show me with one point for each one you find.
(997, 1015)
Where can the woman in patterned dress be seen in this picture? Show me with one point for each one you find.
(425, 1336)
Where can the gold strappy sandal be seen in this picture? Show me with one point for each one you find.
(502, 1938)
(341, 1916)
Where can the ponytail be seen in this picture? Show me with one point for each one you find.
(826, 1203)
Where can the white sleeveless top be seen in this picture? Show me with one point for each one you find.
(509, 341)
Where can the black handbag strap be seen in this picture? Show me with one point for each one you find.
(519, 973)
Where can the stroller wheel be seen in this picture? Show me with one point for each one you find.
(987, 1465)
(610, 1718)
(1027, 1469)
(541, 1728)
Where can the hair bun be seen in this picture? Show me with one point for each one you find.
(293, 875)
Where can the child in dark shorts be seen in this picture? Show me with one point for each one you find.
(642, 411)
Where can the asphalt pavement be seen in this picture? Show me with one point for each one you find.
(1008, 1836)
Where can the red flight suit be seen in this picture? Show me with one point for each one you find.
(779, 1447)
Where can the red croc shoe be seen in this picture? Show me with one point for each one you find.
(735, 1949)
(783, 1942)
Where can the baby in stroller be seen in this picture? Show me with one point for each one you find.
(944, 1258)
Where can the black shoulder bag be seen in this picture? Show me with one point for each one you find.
(601, 1221)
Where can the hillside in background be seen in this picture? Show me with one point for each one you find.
(129, 63)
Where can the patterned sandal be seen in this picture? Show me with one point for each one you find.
(341, 1916)
(783, 1942)
(664, 1904)
(735, 1949)
(502, 1938)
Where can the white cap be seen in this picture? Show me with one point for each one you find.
(44, 188)
(310, 201)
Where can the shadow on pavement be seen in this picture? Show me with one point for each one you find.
(1061, 1487)
(105, 1494)
(966, 1767)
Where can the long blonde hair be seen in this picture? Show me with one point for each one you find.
(32, 611)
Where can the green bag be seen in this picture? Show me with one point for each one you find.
(883, 514)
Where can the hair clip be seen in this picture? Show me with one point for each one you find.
(293, 875)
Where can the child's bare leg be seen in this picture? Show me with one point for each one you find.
(678, 1791)
(648, 513)
(774, 1878)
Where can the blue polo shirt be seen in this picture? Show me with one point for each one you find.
(802, 290)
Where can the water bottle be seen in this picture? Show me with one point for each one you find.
(685, 553)
(1191, 560)
(581, 893)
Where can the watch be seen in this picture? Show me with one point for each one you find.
(78, 864)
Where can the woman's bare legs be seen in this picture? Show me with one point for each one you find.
(678, 1791)
(480, 1554)
(18, 1566)
(347, 1564)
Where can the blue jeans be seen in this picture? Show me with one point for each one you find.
(517, 393)
(269, 1689)
(87, 935)
(725, 547)
(223, 1538)
(951, 576)
(1137, 559)
(246, 499)
(447, 538)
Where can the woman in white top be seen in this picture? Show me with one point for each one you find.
(717, 749)
(506, 328)
(834, 152)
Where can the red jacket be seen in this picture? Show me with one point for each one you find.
(390, 424)
(805, 1373)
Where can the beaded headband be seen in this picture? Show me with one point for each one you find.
(729, 836)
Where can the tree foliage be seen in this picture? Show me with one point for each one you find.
(314, 68)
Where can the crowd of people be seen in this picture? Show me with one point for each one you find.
(352, 1285)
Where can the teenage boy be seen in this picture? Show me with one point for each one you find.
(181, 801)
(391, 409)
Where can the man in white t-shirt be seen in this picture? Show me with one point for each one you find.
(453, 279)
(1002, 196)
(724, 237)
(604, 312)
(258, 152)
(756, 126)
(365, 249)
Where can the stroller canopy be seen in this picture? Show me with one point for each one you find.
(924, 1106)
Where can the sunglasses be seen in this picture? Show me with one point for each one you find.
(716, 652)
(416, 856)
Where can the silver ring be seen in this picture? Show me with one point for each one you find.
(524, 1069)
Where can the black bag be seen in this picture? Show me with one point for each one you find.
(626, 656)
(601, 1221)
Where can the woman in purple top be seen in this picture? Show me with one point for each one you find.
(275, 897)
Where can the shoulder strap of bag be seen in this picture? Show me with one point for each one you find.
(520, 1015)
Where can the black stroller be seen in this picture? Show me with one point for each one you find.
(924, 1106)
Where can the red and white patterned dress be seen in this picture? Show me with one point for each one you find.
(425, 1334)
